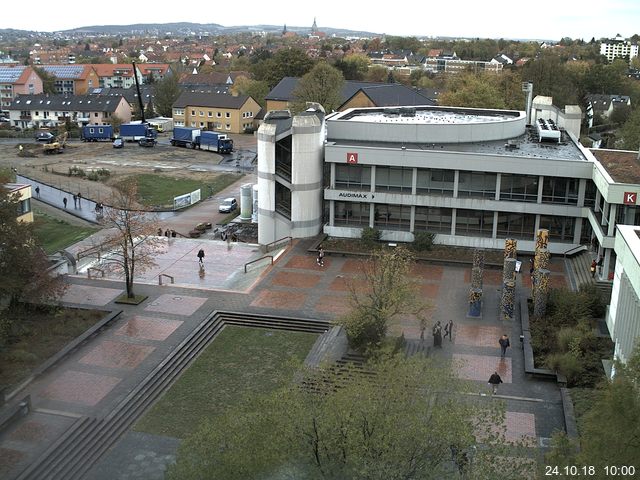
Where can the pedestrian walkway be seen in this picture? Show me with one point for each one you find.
(97, 376)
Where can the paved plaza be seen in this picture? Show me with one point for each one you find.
(101, 372)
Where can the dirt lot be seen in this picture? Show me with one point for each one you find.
(162, 159)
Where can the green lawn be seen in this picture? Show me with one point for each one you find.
(37, 334)
(239, 362)
(160, 190)
(54, 234)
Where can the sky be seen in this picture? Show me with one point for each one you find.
(548, 20)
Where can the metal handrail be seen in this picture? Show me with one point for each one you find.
(266, 247)
(257, 260)
(90, 269)
(571, 250)
(165, 275)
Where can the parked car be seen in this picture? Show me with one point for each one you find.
(118, 143)
(44, 136)
(228, 205)
(147, 142)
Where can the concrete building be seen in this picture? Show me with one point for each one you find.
(73, 79)
(618, 48)
(623, 318)
(474, 177)
(24, 213)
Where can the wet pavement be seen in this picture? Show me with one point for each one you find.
(99, 374)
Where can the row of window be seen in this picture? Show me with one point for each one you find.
(521, 188)
(476, 223)
(216, 125)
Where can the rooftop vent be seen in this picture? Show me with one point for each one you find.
(547, 130)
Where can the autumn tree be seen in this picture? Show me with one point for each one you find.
(131, 244)
(23, 263)
(323, 85)
(377, 73)
(286, 62)
(383, 290)
(354, 67)
(630, 131)
(48, 81)
(399, 421)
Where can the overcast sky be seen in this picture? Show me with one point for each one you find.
(549, 19)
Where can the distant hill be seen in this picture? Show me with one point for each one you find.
(184, 29)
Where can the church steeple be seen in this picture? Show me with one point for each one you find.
(314, 27)
(284, 30)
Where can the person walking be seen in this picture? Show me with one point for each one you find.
(38, 191)
(80, 200)
(75, 201)
(593, 268)
(437, 334)
(504, 344)
(320, 259)
(494, 381)
(201, 256)
(64, 202)
(448, 330)
(599, 264)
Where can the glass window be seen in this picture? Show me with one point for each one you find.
(516, 225)
(351, 213)
(435, 182)
(590, 194)
(560, 190)
(227, 115)
(357, 177)
(392, 217)
(560, 228)
(193, 112)
(433, 219)
(24, 206)
(519, 188)
(394, 179)
(477, 184)
(477, 223)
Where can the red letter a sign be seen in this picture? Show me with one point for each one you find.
(352, 158)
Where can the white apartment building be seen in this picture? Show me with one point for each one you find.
(618, 48)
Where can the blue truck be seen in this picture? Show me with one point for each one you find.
(134, 132)
(97, 133)
(217, 142)
(185, 137)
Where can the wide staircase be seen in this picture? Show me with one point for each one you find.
(76, 451)
(579, 269)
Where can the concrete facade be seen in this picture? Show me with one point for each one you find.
(623, 318)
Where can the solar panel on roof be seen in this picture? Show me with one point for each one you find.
(10, 74)
(65, 71)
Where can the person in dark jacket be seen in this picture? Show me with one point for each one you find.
(504, 344)
(201, 256)
(494, 381)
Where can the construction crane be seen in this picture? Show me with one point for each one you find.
(56, 145)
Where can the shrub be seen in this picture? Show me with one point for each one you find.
(370, 236)
(76, 172)
(423, 241)
(362, 331)
(592, 297)
(567, 364)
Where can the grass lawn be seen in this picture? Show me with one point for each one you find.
(54, 234)
(38, 334)
(160, 190)
(239, 362)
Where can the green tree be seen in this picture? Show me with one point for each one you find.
(323, 85)
(256, 89)
(287, 62)
(166, 92)
(353, 67)
(377, 73)
(630, 131)
(397, 422)
(383, 290)
(474, 90)
(23, 264)
(48, 80)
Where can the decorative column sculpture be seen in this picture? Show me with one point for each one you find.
(509, 279)
(475, 292)
(541, 292)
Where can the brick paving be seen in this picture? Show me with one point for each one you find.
(93, 379)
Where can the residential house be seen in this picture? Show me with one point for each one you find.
(73, 79)
(34, 111)
(604, 105)
(215, 111)
(502, 59)
(354, 94)
(152, 72)
(18, 80)
(115, 75)
(445, 64)
(130, 94)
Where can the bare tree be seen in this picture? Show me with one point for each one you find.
(132, 242)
